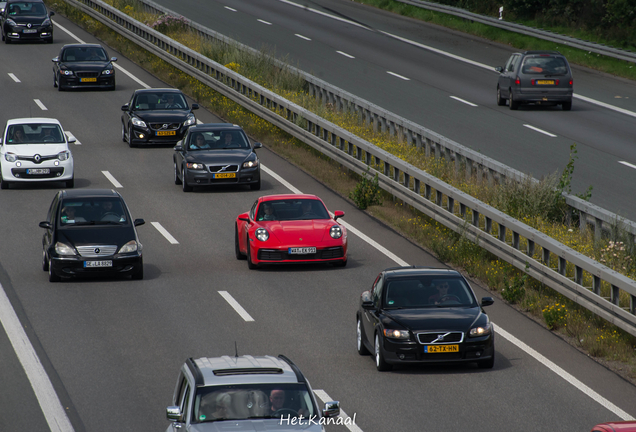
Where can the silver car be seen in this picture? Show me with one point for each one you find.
(535, 77)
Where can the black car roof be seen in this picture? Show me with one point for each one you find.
(24, 1)
(82, 46)
(89, 193)
(214, 126)
(542, 52)
(155, 90)
(419, 271)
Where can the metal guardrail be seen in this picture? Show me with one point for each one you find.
(570, 273)
(605, 50)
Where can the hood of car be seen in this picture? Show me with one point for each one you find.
(86, 235)
(33, 149)
(219, 157)
(310, 231)
(273, 425)
(34, 20)
(85, 66)
(435, 318)
(163, 116)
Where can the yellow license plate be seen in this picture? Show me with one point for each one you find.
(225, 175)
(166, 133)
(441, 348)
(88, 79)
(545, 82)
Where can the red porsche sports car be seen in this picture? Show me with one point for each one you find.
(284, 229)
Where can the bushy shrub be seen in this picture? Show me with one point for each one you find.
(367, 192)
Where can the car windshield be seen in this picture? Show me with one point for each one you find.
(252, 401)
(35, 133)
(27, 9)
(218, 140)
(427, 292)
(292, 209)
(82, 54)
(160, 101)
(545, 65)
(92, 211)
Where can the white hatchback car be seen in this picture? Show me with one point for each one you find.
(35, 150)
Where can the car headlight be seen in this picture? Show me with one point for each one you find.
(108, 71)
(63, 249)
(250, 164)
(131, 246)
(11, 22)
(137, 122)
(190, 120)
(64, 155)
(481, 331)
(335, 232)
(262, 234)
(396, 334)
(67, 72)
(195, 166)
(46, 22)
(11, 157)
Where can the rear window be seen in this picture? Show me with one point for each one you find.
(544, 65)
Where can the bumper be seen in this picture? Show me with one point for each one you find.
(542, 97)
(75, 266)
(73, 82)
(17, 34)
(471, 350)
(242, 177)
(280, 255)
(61, 172)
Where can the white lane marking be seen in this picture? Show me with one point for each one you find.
(51, 406)
(302, 37)
(230, 9)
(463, 101)
(164, 232)
(540, 130)
(112, 179)
(345, 54)
(119, 68)
(627, 164)
(563, 374)
(347, 421)
(40, 104)
(14, 78)
(264, 22)
(349, 227)
(237, 307)
(453, 56)
(69, 136)
(399, 76)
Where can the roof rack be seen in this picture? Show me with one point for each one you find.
(245, 371)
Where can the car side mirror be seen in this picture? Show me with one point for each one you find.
(45, 224)
(487, 301)
(244, 217)
(366, 301)
(173, 413)
(257, 145)
(70, 139)
(139, 222)
(179, 146)
(55, 59)
(332, 409)
(51, 13)
(124, 107)
(499, 69)
(195, 106)
(338, 214)
(113, 59)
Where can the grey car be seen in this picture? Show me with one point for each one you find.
(535, 77)
(245, 393)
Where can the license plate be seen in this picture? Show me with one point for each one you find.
(301, 250)
(38, 171)
(225, 175)
(108, 263)
(30, 31)
(88, 79)
(441, 348)
(166, 133)
(545, 82)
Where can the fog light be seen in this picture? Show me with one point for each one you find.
(478, 354)
(141, 135)
(18, 164)
(56, 163)
(58, 174)
(401, 356)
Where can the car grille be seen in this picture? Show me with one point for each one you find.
(97, 251)
(280, 255)
(42, 158)
(87, 74)
(160, 126)
(219, 168)
(450, 337)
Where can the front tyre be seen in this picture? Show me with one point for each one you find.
(237, 249)
(250, 264)
(362, 349)
(177, 180)
(184, 183)
(380, 364)
(139, 273)
(52, 276)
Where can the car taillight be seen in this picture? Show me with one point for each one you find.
(517, 81)
(570, 82)
(557, 82)
(531, 82)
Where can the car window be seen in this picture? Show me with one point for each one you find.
(159, 101)
(376, 293)
(544, 65)
(427, 291)
(93, 211)
(510, 66)
(218, 140)
(51, 213)
(79, 54)
(35, 133)
(252, 401)
(253, 209)
(27, 8)
(295, 209)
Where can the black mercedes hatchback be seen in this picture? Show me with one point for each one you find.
(83, 66)
(89, 232)
(26, 20)
(156, 116)
(416, 315)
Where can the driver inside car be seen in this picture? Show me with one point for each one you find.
(442, 292)
(278, 408)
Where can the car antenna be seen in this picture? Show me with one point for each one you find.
(235, 349)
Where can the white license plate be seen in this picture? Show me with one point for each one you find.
(108, 263)
(30, 31)
(301, 251)
(38, 171)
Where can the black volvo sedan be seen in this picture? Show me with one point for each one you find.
(156, 116)
(423, 315)
(26, 20)
(83, 66)
(89, 232)
(216, 154)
